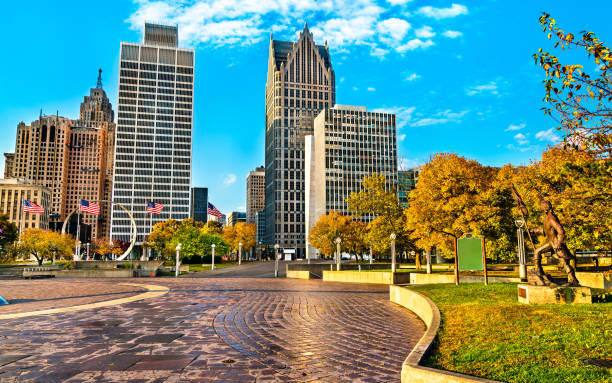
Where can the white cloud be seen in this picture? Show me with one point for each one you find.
(401, 137)
(398, 2)
(412, 77)
(371, 89)
(547, 135)
(440, 118)
(521, 139)
(355, 89)
(443, 13)
(229, 179)
(452, 34)
(403, 114)
(515, 127)
(478, 89)
(425, 32)
(394, 28)
(408, 163)
(344, 24)
(414, 44)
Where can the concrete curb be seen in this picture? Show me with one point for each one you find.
(153, 292)
(424, 308)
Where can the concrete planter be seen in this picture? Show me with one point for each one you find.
(426, 279)
(83, 273)
(594, 280)
(424, 308)
(298, 274)
(379, 277)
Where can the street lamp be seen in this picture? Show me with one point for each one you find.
(178, 251)
(428, 255)
(276, 247)
(521, 248)
(212, 265)
(393, 266)
(338, 241)
(371, 254)
(239, 252)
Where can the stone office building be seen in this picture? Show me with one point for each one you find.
(300, 83)
(255, 193)
(348, 144)
(13, 191)
(154, 131)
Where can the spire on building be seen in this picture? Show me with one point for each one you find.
(99, 84)
(306, 26)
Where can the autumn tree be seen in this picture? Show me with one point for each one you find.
(102, 247)
(213, 227)
(377, 198)
(580, 102)
(9, 232)
(245, 234)
(162, 234)
(454, 196)
(336, 225)
(580, 191)
(45, 244)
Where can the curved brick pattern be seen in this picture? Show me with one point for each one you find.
(222, 330)
(27, 295)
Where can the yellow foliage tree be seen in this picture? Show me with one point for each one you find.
(579, 186)
(454, 196)
(336, 225)
(45, 244)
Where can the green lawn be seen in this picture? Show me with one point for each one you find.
(194, 268)
(485, 332)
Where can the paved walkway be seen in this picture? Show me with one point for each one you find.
(221, 330)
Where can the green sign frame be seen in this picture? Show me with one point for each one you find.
(470, 254)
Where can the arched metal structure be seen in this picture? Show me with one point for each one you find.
(134, 232)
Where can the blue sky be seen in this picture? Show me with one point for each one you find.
(459, 74)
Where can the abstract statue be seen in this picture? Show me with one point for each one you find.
(555, 243)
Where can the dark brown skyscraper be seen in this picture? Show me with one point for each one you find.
(300, 84)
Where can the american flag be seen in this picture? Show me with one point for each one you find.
(31, 207)
(90, 207)
(154, 207)
(212, 210)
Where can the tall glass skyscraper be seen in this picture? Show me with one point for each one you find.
(154, 131)
(301, 83)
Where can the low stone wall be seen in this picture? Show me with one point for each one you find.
(298, 274)
(148, 265)
(425, 309)
(316, 269)
(84, 273)
(379, 277)
(594, 280)
(426, 279)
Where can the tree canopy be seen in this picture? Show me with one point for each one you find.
(45, 244)
(579, 101)
(336, 225)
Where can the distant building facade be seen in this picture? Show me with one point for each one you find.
(406, 181)
(260, 219)
(235, 217)
(348, 144)
(41, 158)
(9, 163)
(199, 204)
(154, 131)
(255, 193)
(13, 191)
(300, 83)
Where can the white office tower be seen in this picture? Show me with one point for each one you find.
(154, 130)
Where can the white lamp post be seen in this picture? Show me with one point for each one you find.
(239, 252)
(276, 247)
(212, 265)
(371, 255)
(338, 241)
(178, 264)
(393, 266)
(521, 248)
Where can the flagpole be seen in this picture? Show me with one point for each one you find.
(21, 218)
(151, 231)
(77, 246)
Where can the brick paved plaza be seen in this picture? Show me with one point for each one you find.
(204, 330)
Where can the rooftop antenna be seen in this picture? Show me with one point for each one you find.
(99, 84)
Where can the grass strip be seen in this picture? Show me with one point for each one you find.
(485, 332)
